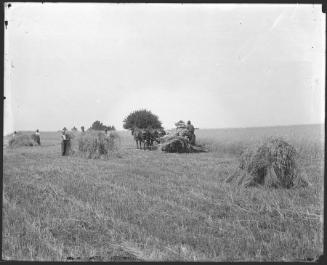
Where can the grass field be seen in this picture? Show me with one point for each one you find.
(150, 205)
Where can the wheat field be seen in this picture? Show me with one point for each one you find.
(155, 206)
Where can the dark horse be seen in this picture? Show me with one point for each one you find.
(146, 136)
(138, 137)
(156, 134)
(152, 135)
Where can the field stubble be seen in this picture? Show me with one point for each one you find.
(149, 205)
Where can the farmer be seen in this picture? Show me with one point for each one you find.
(37, 137)
(65, 142)
(191, 135)
(14, 135)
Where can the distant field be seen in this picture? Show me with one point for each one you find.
(150, 205)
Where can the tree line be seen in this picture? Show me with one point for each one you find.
(140, 118)
(97, 126)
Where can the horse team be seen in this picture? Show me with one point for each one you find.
(147, 137)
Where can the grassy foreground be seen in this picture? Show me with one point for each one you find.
(149, 205)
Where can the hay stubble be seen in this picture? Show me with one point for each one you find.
(152, 205)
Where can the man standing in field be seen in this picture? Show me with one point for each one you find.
(64, 142)
(37, 137)
(191, 134)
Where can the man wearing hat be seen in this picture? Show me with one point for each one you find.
(37, 137)
(191, 135)
(64, 142)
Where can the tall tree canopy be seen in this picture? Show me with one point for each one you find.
(142, 119)
(99, 126)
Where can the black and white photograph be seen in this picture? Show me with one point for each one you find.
(163, 132)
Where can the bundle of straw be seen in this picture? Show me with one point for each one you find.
(179, 144)
(95, 144)
(22, 140)
(273, 164)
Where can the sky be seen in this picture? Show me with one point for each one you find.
(218, 65)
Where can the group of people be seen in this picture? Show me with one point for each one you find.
(36, 136)
(65, 138)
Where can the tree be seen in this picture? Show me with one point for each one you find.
(99, 126)
(142, 119)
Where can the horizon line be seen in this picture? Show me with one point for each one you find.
(205, 128)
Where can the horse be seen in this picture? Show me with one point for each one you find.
(138, 137)
(156, 135)
(147, 136)
(161, 133)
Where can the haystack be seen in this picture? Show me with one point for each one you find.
(177, 140)
(176, 144)
(22, 140)
(271, 164)
(179, 144)
(95, 144)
